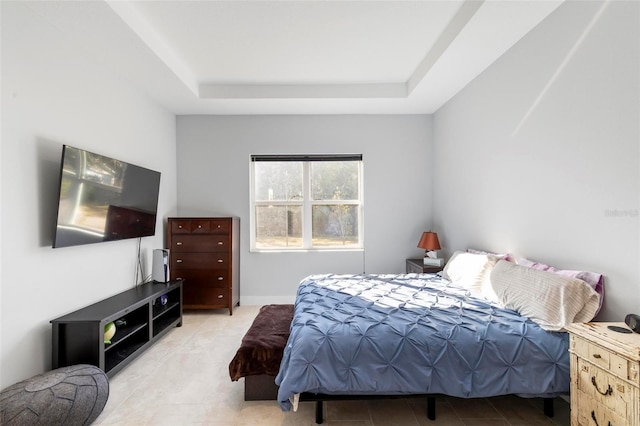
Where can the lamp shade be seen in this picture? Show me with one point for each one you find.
(429, 241)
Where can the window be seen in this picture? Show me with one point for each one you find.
(306, 202)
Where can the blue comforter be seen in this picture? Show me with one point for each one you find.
(414, 334)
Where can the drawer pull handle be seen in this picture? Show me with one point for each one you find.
(179, 226)
(220, 260)
(178, 243)
(609, 391)
(220, 296)
(199, 226)
(220, 243)
(219, 226)
(597, 356)
(179, 261)
(220, 278)
(593, 416)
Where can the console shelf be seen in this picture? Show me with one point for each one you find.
(123, 336)
(142, 315)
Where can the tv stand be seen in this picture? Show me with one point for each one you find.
(142, 315)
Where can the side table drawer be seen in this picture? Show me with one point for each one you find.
(417, 266)
(413, 268)
(591, 412)
(604, 388)
(602, 357)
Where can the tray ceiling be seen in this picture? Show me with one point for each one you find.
(297, 57)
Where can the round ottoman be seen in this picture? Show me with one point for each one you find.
(74, 395)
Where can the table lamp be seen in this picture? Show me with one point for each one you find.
(429, 242)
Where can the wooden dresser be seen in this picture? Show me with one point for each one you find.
(605, 375)
(204, 251)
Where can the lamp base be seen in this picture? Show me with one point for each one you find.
(433, 261)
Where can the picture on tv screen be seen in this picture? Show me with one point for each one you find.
(104, 199)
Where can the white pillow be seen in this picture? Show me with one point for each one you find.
(553, 301)
(472, 271)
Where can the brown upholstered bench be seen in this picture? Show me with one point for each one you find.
(260, 353)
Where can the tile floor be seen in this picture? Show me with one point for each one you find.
(183, 380)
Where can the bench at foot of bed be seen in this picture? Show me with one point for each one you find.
(258, 358)
(260, 388)
(431, 403)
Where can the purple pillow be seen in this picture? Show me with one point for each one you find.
(596, 281)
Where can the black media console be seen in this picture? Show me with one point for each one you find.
(142, 315)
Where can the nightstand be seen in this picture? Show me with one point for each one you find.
(417, 266)
(605, 375)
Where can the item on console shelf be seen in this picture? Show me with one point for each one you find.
(109, 332)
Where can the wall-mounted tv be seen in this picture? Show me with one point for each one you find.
(103, 199)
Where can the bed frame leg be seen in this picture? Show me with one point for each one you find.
(548, 407)
(319, 415)
(431, 408)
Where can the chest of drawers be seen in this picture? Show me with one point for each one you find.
(605, 375)
(204, 251)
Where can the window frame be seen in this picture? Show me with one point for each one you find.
(306, 203)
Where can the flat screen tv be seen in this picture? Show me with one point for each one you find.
(103, 199)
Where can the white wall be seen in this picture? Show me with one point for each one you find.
(51, 96)
(540, 155)
(213, 179)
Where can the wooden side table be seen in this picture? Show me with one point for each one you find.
(417, 266)
(605, 375)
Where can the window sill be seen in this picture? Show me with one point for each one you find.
(311, 250)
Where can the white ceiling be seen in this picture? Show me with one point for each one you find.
(297, 57)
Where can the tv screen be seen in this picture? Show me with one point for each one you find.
(104, 199)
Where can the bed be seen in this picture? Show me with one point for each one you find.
(422, 334)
